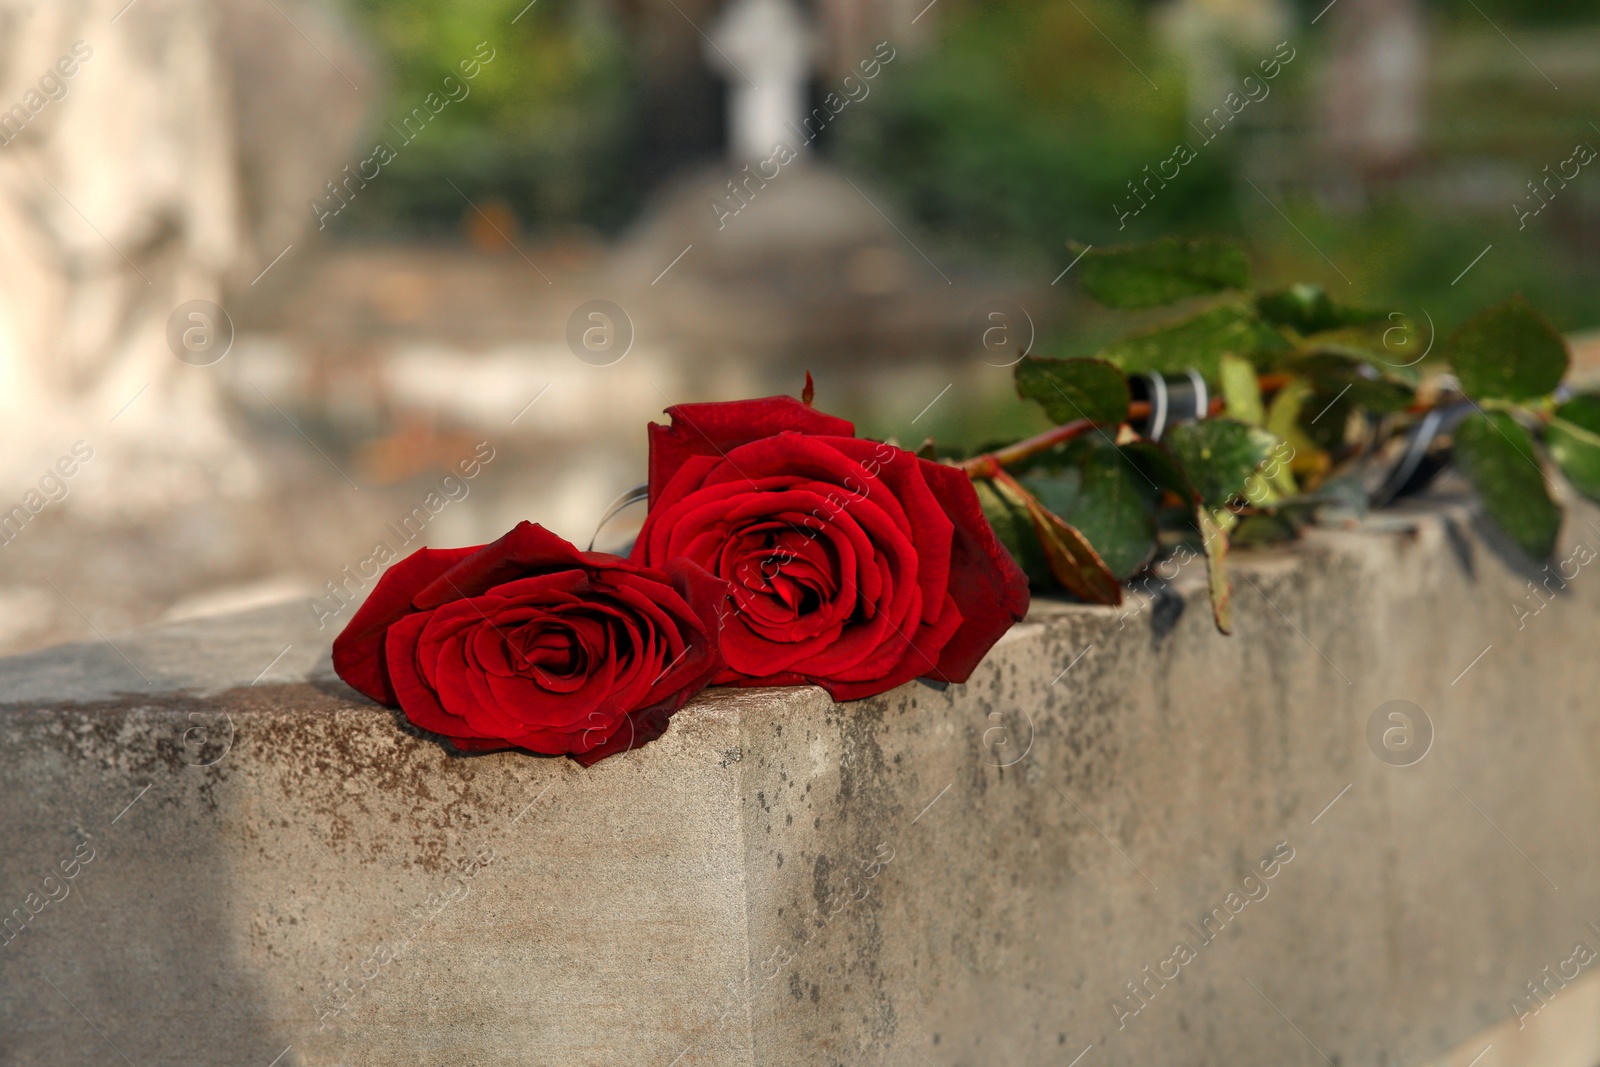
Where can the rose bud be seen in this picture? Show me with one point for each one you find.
(530, 643)
(851, 564)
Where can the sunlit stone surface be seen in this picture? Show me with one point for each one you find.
(264, 865)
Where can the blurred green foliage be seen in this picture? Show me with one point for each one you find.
(545, 129)
(1018, 132)
(1024, 126)
(1537, 12)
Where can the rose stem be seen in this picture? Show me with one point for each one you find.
(986, 465)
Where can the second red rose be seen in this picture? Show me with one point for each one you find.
(852, 564)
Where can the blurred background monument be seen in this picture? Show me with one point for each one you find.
(163, 169)
(776, 41)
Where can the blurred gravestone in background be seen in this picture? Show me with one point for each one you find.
(169, 166)
(1373, 103)
(118, 204)
(773, 38)
(156, 157)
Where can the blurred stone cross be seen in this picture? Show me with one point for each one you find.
(764, 48)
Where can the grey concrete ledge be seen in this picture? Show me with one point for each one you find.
(1000, 873)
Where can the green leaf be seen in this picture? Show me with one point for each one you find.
(1283, 422)
(1509, 352)
(1394, 348)
(1243, 395)
(1214, 534)
(1014, 529)
(1306, 309)
(1283, 418)
(1496, 453)
(1333, 375)
(1064, 459)
(1573, 437)
(1199, 341)
(1149, 275)
(1156, 463)
(1241, 391)
(1273, 481)
(1071, 389)
(1219, 455)
(1072, 560)
(1111, 502)
(1324, 418)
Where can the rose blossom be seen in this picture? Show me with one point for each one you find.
(851, 564)
(530, 643)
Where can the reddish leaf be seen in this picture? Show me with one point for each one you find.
(1073, 561)
(1215, 536)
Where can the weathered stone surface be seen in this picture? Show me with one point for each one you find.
(284, 868)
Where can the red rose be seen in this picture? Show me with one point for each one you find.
(851, 564)
(530, 643)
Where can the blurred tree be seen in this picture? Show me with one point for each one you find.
(1520, 11)
(1025, 126)
(1513, 11)
(546, 126)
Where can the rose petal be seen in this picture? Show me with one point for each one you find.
(359, 650)
(529, 643)
(415, 697)
(716, 429)
(986, 584)
(528, 548)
